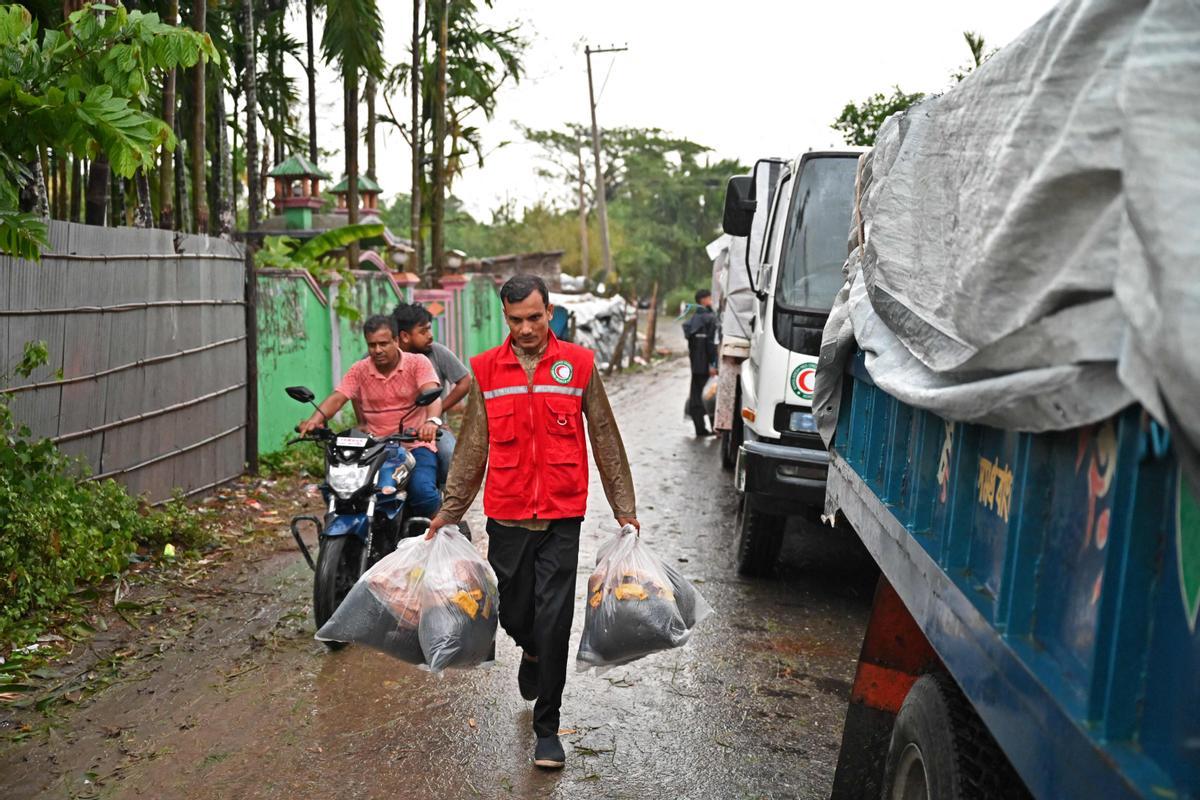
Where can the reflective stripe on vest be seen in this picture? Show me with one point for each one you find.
(538, 389)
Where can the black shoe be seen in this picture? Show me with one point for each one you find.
(549, 753)
(527, 678)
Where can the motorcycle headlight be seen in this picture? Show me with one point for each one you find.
(346, 479)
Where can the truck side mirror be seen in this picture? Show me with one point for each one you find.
(739, 205)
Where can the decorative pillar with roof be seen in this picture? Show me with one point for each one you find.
(297, 191)
(368, 196)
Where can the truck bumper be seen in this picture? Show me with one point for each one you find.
(780, 479)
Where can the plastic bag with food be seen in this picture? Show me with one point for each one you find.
(708, 397)
(430, 602)
(637, 604)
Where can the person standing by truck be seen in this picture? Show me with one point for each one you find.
(524, 426)
(701, 333)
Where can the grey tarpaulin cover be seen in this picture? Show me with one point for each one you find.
(1031, 254)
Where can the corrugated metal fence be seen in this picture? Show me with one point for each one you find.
(147, 374)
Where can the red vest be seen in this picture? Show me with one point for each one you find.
(537, 456)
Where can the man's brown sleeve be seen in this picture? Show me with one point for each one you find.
(470, 459)
(607, 449)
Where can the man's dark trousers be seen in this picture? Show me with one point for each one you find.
(536, 574)
(696, 402)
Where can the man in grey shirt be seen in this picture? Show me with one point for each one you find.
(415, 324)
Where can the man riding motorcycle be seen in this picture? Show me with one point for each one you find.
(383, 388)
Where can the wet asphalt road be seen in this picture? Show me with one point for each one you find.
(247, 705)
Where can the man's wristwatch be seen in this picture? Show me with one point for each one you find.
(435, 420)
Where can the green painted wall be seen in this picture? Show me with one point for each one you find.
(295, 342)
(295, 345)
(482, 316)
(293, 350)
(373, 293)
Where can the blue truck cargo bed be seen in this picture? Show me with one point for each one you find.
(1056, 575)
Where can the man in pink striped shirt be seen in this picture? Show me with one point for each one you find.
(383, 388)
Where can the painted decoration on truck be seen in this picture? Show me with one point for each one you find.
(804, 380)
(1187, 548)
(943, 469)
(1101, 468)
(995, 484)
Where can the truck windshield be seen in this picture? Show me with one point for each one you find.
(814, 246)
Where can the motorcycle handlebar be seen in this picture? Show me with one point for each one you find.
(324, 434)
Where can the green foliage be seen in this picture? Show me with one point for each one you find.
(303, 459)
(979, 54)
(480, 60)
(317, 248)
(36, 355)
(58, 532)
(315, 255)
(176, 523)
(82, 92)
(681, 295)
(353, 36)
(859, 123)
(22, 235)
(664, 205)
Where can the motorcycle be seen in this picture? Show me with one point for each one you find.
(365, 484)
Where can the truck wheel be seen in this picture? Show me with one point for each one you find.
(760, 538)
(336, 573)
(940, 750)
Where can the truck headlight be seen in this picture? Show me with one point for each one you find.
(802, 422)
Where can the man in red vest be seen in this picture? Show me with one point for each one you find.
(524, 427)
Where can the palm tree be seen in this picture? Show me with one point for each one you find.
(199, 182)
(312, 83)
(353, 40)
(166, 175)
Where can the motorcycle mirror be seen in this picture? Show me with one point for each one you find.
(301, 394)
(428, 396)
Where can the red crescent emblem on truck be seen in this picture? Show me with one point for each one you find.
(804, 380)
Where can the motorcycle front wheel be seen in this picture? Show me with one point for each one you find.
(336, 573)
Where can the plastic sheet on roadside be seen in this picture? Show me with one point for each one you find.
(637, 604)
(433, 603)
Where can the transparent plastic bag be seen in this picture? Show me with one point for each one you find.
(431, 602)
(708, 397)
(637, 604)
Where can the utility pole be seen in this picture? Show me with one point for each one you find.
(417, 261)
(437, 238)
(584, 267)
(601, 205)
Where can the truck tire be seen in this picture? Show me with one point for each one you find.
(941, 750)
(760, 538)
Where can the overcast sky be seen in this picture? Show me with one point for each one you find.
(747, 78)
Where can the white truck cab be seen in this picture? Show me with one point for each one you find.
(781, 461)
